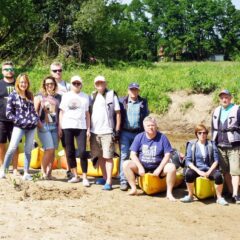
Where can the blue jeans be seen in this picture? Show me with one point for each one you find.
(17, 135)
(48, 135)
(126, 140)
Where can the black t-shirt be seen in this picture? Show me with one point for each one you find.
(5, 90)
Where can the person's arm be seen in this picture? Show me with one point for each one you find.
(60, 123)
(118, 121)
(215, 158)
(37, 103)
(88, 123)
(10, 111)
(135, 159)
(164, 161)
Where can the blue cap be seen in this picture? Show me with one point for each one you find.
(225, 91)
(133, 85)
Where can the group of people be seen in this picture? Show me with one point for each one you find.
(62, 111)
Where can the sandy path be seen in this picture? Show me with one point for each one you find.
(59, 210)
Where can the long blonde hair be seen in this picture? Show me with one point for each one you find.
(28, 93)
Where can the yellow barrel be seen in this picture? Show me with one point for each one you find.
(204, 188)
(36, 158)
(151, 184)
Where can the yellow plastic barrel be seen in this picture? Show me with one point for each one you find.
(204, 188)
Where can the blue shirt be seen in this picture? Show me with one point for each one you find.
(201, 163)
(151, 151)
(133, 114)
(225, 112)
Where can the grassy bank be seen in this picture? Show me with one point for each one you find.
(156, 80)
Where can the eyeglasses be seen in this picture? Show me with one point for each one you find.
(8, 69)
(57, 70)
(49, 84)
(200, 133)
(76, 84)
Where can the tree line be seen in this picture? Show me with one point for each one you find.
(106, 30)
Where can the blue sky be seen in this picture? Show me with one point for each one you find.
(235, 2)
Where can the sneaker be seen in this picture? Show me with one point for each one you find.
(222, 201)
(186, 199)
(236, 199)
(73, 180)
(100, 181)
(2, 175)
(124, 186)
(27, 177)
(69, 175)
(85, 183)
(16, 173)
(107, 187)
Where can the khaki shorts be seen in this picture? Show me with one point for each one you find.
(102, 145)
(230, 160)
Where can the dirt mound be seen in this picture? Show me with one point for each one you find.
(186, 111)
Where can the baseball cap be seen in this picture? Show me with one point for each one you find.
(99, 79)
(133, 85)
(76, 79)
(224, 91)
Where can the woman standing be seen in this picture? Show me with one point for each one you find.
(202, 160)
(20, 110)
(75, 122)
(47, 106)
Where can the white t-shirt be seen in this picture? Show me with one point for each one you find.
(202, 149)
(99, 120)
(63, 87)
(74, 106)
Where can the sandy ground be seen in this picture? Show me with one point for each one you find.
(60, 210)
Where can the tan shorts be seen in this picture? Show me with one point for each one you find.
(230, 161)
(102, 145)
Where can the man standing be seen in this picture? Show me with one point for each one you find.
(105, 126)
(63, 87)
(150, 152)
(226, 134)
(134, 109)
(6, 126)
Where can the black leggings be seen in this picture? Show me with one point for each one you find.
(191, 175)
(80, 135)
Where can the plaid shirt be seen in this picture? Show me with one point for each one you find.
(133, 115)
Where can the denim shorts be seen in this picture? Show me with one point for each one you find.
(48, 136)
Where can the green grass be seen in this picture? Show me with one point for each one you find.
(155, 80)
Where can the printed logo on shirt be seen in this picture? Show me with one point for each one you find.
(149, 153)
(74, 104)
(10, 89)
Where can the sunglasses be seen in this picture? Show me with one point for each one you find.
(49, 84)
(57, 70)
(8, 69)
(200, 133)
(76, 84)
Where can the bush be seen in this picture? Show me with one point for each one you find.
(201, 83)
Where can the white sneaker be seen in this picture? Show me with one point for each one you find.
(2, 175)
(73, 180)
(85, 183)
(27, 177)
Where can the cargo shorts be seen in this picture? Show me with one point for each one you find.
(102, 145)
(229, 161)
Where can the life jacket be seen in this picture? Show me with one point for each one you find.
(193, 149)
(232, 129)
(109, 101)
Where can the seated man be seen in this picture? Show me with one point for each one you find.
(150, 152)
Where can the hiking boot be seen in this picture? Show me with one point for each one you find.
(27, 177)
(222, 201)
(85, 183)
(124, 186)
(236, 199)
